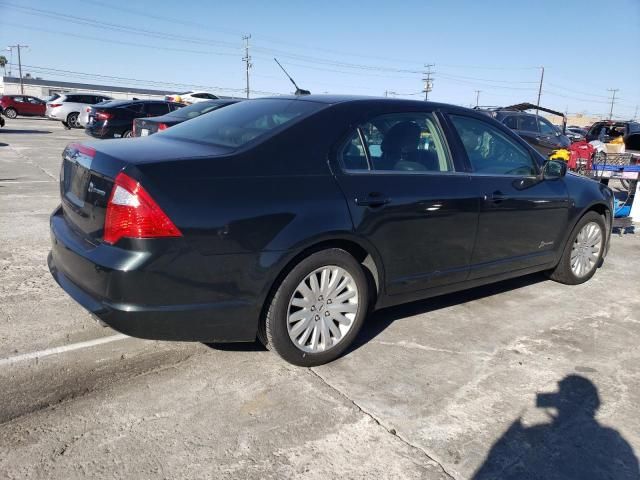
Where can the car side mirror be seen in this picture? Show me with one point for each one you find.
(554, 169)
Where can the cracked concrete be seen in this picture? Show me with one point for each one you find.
(440, 389)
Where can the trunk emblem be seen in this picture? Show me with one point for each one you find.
(93, 189)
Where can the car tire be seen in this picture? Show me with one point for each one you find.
(72, 120)
(127, 134)
(10, 112)
(583, 251)
(298, 326)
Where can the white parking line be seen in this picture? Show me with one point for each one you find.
(57, 350)
(28, 181)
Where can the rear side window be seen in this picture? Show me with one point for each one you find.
(490, 151)
(243, 122)
(156, 109)
(404, 142)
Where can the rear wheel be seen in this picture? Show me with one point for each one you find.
(318, 309)
(72, 120)
(127, 134)
(583, 252)
(10, 112)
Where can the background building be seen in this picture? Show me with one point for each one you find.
(41, 88)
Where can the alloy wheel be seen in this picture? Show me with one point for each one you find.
(322, 309)
(586, 249)
(10, 113)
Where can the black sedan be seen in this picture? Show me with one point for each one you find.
(114, 119)
(143, 127)
(290, 219)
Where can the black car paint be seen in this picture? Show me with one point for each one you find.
(123, 113)
(248, 215)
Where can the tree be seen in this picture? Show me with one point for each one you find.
(3, 64)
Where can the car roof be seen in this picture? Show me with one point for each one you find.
(336, 99)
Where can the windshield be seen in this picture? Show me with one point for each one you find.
(196, 109)
(242, 122)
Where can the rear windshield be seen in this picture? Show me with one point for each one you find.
(196, 110)
(242, 122)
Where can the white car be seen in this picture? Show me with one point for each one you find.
(190, 97)
(67, 107)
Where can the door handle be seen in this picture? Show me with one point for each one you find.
(496, 197)
(372, 200)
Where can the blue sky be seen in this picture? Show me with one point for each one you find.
(343, 47)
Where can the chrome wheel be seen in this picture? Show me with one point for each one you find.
(10, 113)
(586, 249)
(322, 309)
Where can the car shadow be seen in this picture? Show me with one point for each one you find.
(255, 346)
(573, 445)
(381, 319)
(23, 131)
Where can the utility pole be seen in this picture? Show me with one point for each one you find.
(613, 99)
(540, 89)
(635, 114)
(247, 60)
(477, 97)
(428, 82)
(18, 47)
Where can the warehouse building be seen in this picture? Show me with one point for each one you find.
(41, 88)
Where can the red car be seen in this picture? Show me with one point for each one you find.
(13, 105)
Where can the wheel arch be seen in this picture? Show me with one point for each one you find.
(365, 254)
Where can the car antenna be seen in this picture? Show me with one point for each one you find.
(299, 91)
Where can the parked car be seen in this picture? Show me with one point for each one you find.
(115, 119)
(610, 130)
(67, 107)
(83, 118)
(190, 97)
(148, 126)
(290, 218)
(13, 105)
(582, 131)
(534, 129)
(573, 134)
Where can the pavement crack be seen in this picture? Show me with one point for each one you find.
(392, 431)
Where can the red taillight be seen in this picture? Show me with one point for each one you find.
(132, 213)
(162, 126)
(54, 105)
(103, 116)
(83, 149)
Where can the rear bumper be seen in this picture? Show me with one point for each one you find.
(127, 291)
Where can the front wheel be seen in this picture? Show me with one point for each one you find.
(583, 252)
(318, 309)
(127, 134)
(10, 112)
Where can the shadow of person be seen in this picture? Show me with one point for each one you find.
(573, 445)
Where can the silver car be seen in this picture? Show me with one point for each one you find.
(68, 107)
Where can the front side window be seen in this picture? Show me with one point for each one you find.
(404, 142)
(528, 123)
(490, 151)
(546, 128)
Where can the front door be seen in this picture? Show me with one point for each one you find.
(408, 198)
(522, 216)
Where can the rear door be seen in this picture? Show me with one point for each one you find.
(410, 199)
(522, 216)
